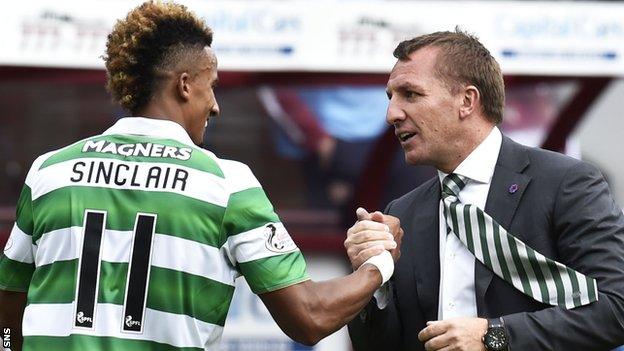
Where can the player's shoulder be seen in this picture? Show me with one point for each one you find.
(51, 157)
(237, 175)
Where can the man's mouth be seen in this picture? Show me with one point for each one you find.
(405, 136)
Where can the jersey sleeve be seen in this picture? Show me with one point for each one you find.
(17, 260)
(257, 242)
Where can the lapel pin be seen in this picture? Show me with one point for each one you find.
(513, 188)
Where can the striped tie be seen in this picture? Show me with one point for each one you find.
(527, 270)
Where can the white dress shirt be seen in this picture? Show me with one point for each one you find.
(457, 282)
(457, 264)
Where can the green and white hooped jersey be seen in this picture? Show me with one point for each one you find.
(132, 240)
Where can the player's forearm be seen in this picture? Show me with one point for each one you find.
(11, 311)
(310, 311)
(339, 300)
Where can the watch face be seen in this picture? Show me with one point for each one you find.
(495, 339)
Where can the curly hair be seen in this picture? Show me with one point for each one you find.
(463, 60)
(154, 37)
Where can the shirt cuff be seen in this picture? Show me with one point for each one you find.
(382, 296)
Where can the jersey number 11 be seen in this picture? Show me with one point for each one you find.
(138, 271)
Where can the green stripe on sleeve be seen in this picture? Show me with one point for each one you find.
(198, 160)
(86, 342)
(24, 213)
(246, 210)
(178, 215)
(274, 273)
(14, 275)
(169, 290)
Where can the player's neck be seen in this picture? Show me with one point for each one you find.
(161, 111)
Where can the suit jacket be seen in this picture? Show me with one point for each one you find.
(562, 208)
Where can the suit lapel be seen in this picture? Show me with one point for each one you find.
(508, 185)
(426, 259)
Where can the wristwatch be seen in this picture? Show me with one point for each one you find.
(495, 339)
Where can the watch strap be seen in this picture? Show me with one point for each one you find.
(496, 322)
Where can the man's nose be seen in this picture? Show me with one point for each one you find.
(394, 114)
(214, 111)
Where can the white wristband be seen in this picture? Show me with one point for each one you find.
(384, 263)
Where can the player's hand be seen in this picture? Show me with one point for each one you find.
(461, 334)
(392, 222)
(371, 235)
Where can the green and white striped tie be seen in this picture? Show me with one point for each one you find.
(527, 270)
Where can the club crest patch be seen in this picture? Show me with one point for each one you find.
(278, 239)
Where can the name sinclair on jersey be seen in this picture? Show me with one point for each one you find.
(119, 173)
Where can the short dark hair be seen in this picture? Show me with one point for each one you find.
(154, 37)
(463, 60)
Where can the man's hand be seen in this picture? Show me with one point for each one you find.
(371, 235)
(392, 222)
(459, 334)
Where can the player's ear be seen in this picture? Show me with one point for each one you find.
(183, 86)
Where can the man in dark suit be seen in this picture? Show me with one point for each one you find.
(446, 97)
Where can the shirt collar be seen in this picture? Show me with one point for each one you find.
(480, 163)
(160, 128)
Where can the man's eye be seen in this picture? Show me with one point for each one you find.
(410, 94)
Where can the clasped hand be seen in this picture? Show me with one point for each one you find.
(371, 235)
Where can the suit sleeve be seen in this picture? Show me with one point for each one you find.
(374, 329)
(589, 231)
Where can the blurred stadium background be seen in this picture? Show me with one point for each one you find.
(302, 102)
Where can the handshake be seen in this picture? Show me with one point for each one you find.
(374, 239)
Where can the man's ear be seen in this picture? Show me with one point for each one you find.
(184, 86)
(471, 99)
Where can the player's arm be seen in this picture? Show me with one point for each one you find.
(257, 243)
(310, 311)
(17, 267)
(11, 311)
